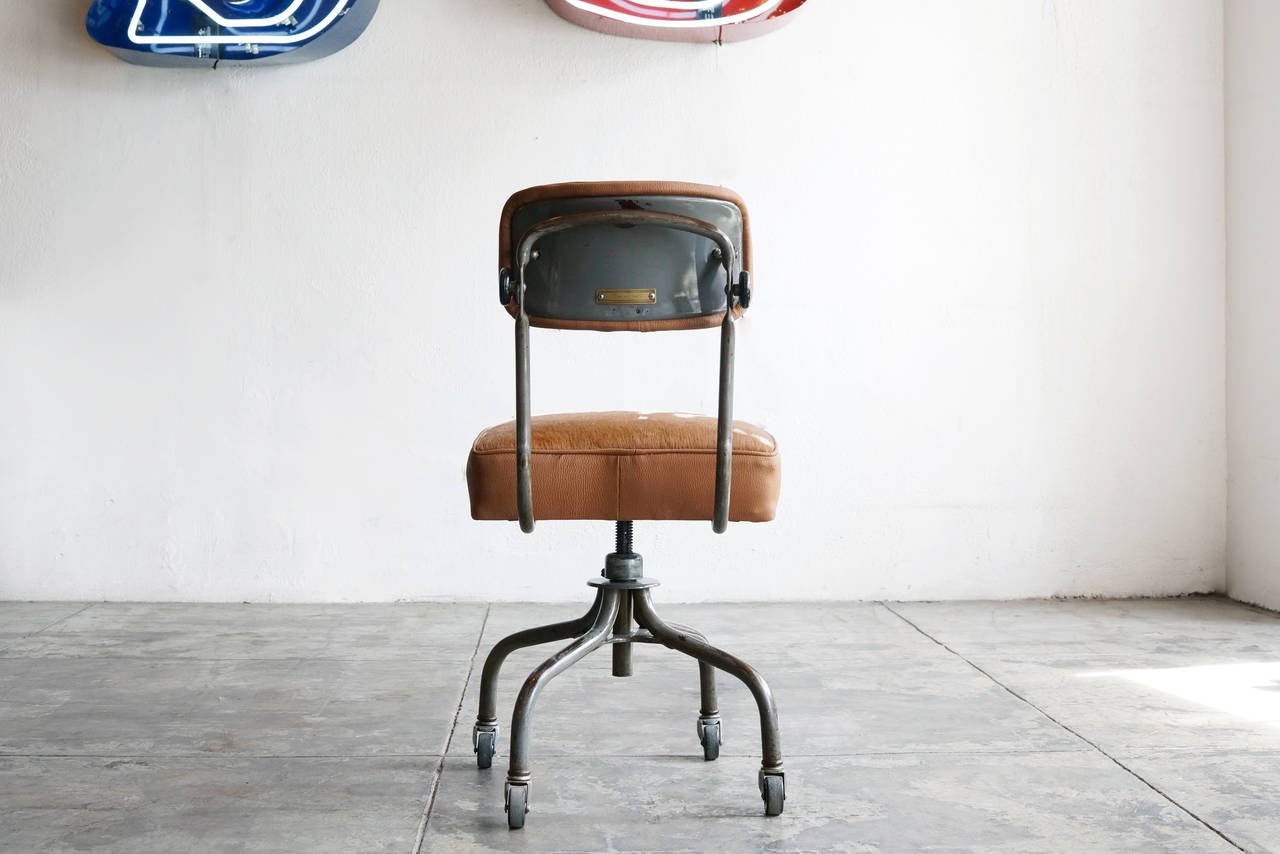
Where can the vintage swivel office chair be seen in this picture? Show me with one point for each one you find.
(635, 256)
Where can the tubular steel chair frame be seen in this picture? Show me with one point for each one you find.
(623, 611)
(733, 291)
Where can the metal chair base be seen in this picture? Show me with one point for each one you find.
(621, 615)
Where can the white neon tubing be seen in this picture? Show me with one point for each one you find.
(651, 12)
(243, 22)
(242, 38)
(587, 6)
(681, 5)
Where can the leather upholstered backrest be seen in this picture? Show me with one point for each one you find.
(639, 278)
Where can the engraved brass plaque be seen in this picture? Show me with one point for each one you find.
(626, 296)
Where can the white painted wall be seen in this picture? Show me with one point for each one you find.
(1253, 301)
(248, 326)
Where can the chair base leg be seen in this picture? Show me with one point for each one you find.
(484, 734)
(610, 622)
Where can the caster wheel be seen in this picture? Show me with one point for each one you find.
(517, 806)
(486, 742)
(773, 789)
(710, 738)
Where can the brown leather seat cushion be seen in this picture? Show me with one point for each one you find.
(624, 465)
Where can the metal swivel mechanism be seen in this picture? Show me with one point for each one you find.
(622, 615)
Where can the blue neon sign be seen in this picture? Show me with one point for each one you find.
(206, 32)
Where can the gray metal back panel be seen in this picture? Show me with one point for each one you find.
(571, 267)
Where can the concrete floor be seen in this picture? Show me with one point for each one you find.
(1026, 726)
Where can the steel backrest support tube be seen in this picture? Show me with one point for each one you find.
(524, 426)
(724, 423)
(659, 219)
(724, 417)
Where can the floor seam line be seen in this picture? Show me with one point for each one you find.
(61, 620)
(1066, 728)
(448, 742)
(194, 658)
(218, 757)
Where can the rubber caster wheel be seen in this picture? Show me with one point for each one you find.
(517, 806)
(486, 742)
(773, 789)
(709, 735)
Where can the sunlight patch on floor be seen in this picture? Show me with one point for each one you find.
(1250, 691)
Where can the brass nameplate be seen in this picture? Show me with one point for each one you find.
(626, 296)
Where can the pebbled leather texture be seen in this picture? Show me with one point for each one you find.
(591, 189)
(625, 465)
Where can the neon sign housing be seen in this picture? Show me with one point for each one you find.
(679, 20)
(207, 32)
